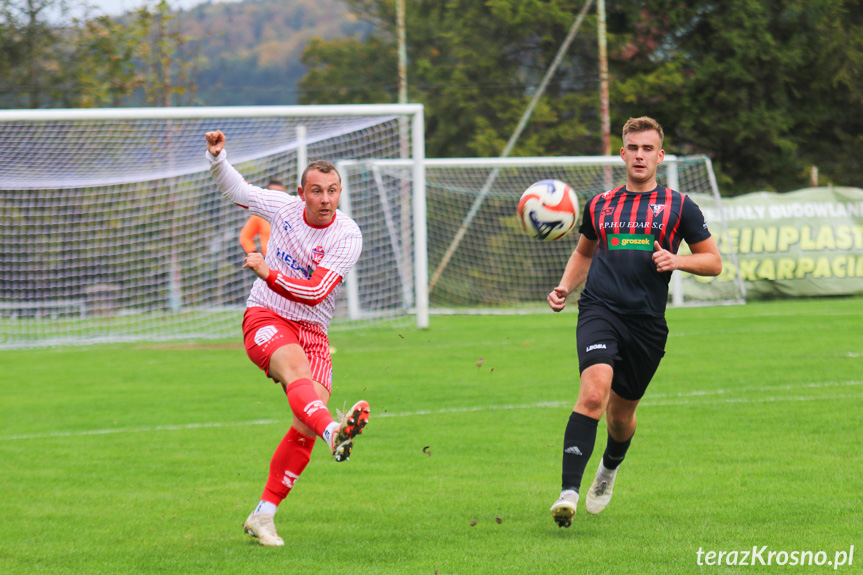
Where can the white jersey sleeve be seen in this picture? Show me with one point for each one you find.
(259, 201)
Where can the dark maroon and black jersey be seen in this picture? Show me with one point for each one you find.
(625, 224)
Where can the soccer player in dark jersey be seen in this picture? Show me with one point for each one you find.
(628, 248)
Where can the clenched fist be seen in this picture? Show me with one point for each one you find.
(215, 142)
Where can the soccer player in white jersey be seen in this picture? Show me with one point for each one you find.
(311, 249)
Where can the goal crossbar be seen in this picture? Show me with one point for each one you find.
(212, 112)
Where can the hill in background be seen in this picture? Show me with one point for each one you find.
(253, 48)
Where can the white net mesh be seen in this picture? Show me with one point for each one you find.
(494, 266)
(113, 230)
(382, 207)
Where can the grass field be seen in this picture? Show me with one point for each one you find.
(147, 458)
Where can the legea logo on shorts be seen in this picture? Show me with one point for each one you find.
(630, 242)
(265, 334)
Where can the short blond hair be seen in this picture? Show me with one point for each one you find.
(643, 124)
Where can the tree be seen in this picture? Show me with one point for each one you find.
(474, 66)
(102, 71)
(27, 44)
(362, 76)
(766, 88)
(50, 58)
(168, 60)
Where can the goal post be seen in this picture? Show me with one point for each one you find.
(113, 230)
(482, 260)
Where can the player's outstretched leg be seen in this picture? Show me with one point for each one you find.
(261, 525)
(351, 424)
(599, 494)
(563, 510)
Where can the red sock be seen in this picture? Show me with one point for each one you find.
(291, 457)
(307, 406)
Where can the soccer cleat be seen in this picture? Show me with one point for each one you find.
(351, 424)
(599, 494)
(262, 527)
(563, 509)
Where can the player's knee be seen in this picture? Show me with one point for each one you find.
(288, 364)
(595, 388)
(592, 402)
(619, 424)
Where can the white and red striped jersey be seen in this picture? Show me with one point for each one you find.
(306, 262)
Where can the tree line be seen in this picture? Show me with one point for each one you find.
(56, 55)
(768, 89)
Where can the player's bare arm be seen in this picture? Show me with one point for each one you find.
(247, 236)
(255, 262)
(704, 260)
(574, 274)
(215, 142)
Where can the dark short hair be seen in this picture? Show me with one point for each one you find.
(322, 166)
(275, 182)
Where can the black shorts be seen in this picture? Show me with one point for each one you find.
(632, 345)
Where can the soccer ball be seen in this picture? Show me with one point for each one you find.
(548, 210)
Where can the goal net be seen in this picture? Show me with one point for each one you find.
(113, 230)
(481, 261)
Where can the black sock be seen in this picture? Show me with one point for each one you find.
(578, 440)
(615, 451)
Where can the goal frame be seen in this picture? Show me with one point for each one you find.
(412, 164)
(670, 165)
(412, 129)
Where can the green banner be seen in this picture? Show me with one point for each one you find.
(643, 242)
(803, 243)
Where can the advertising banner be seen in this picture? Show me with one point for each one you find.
(803, 243)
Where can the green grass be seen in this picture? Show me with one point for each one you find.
(147, 458)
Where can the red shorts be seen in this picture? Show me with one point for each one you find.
(265, 331)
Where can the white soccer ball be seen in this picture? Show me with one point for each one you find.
(548, 210)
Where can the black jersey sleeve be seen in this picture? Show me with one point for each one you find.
(587, 228)
(693, 227)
